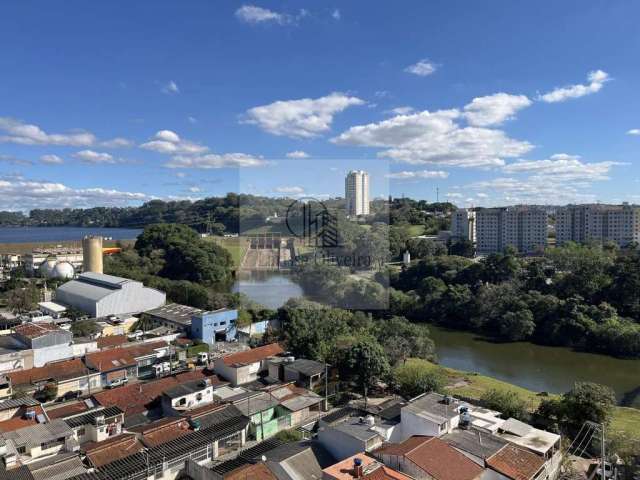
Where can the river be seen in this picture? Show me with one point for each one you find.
(62, 234)
(536, 367)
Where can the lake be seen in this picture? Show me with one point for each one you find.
(536, 367)
(62, 234)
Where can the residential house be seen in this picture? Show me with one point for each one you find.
(96, 425)
(186, 396)
(298, 460)
(514, 463)
(28, 444)
(112, 449)
(361, 467)
(429, 458)
(21, 412)
(306, 373)
(266, 415)
(304, 405)
(344, 433)
(245, 367)
(430, 414)
(68, 376)
(475, 444)
(47, 341)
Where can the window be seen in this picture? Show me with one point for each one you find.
(81, 432)
(21, 450)
(182, 401)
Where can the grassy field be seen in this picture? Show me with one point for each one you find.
(415, 230)
(236, 246)
(625, 420)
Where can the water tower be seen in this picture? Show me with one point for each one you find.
(92, 253)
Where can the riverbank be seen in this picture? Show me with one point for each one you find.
(626, 421)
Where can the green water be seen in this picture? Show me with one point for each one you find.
(536, 367)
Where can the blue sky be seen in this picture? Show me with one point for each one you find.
(492, 103)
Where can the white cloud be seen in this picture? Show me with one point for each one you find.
(302, 118)
(170, 88)
(532, 190)
(213, 160)
(494, 109)
(422, 68)
(634, 131)
(22, 194)
(563, 167)
(117, 142)
(93, 157)
(297, 154)
(418, 174)
(254, 15)
(195, 189)
(51, 159)
(453, 195)
(170, 143)
(290, 190)
(27, 134)
(14, 160)
(336, 14)
(596, 79)
(482, 195)
(435, 138)
(192, 120)
(401, 110)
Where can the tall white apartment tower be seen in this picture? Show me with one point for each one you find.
(598, 223)
(463, 224)
(356, 192)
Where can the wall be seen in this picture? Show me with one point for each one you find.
(42, 356)
(237, 376)
(338, 443)
(413, 424)
(205, 325)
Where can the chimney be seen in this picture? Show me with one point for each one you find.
(357, 468)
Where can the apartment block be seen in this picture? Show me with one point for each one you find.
(523, 227)
(598, 223)
(356, 192)
(463, 224)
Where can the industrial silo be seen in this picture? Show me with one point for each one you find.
(92, 254)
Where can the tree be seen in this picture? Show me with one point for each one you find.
(21, 300)
(418, 376)
(515, 326)
(367, 362)
(506, 402)
(402, 339)
(462, 248)
(84, 328)
(48, 392)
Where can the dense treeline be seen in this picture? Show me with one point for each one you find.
(221, 214)
(586, 297)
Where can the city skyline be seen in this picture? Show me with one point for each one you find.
(499, 106)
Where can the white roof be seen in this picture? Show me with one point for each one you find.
(534, 439)
(53, 307)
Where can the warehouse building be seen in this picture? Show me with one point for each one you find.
(102, 295)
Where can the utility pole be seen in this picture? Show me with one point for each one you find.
(603, 452)
(437, 194)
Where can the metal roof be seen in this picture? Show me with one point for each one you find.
(18, 402)
(174, 312)
(90, 417)
(35, 435)
(247, 456)
(306, 367)
(187, 388)
(59, 467)
(476, 443)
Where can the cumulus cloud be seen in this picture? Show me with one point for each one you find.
(23, 194)
(117, 142)
(170, 88)
(494, 109)
(596, 79)
(195, 189)
(422, 68)
(418, 174)
(435, 138)
(255, 15)
(14, 160)
(453, 195)
(634, 131)
(93, 157)
(213, 160)
(405, 110)
(51, 159)
(16, 131)
(290, 190)
(297, 154)
(170, 143)
(303, 118)
(563, 167)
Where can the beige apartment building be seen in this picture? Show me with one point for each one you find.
(598, 223)
(356, 192)
(523, 227)
(463, 224)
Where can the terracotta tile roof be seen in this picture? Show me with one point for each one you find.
(102, 453)
(372, 470)
(18, 421)
(57, 371)
(437, 458)
(385, 473)
(66, 410)
(120, 357)
(35, 330)
(111, 341)
(254, 355)
(257, 471)
(164, 431)
(516, 463)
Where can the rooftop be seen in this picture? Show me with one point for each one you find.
(516, 463)
(35, 435)
(306, 367)
(55, 370)
(91, 417)
(35, 330)
(58, 467)
(256, 471)
(187, 388)
(66, 410)
(371, 469)
(20, 420)
(111, 341)
(295, 398)
(357, 427)
(252, 356)
(476, 443)
(433, 407)
(164, 430)
(121, 357)
(115, 448)
(539, 441)
(255, 403)
(174, 312)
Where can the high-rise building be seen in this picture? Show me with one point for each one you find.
(523, 227)
(463, 224)
(598, 223)
(356, 192)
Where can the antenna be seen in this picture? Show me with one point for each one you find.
(437, 194)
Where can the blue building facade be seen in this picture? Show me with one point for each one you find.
(219, 325)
